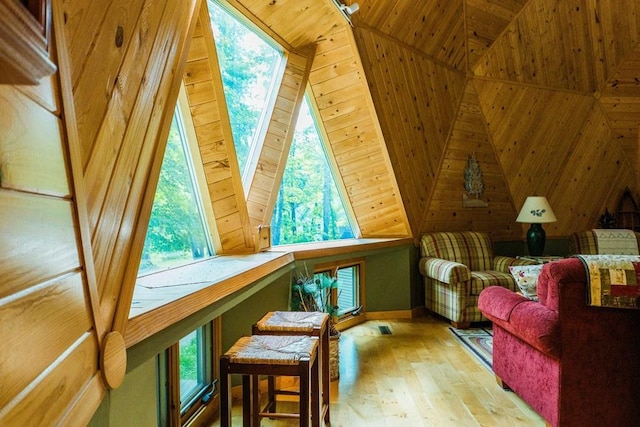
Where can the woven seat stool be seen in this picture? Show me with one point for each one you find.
(304, 323)
(282, 355)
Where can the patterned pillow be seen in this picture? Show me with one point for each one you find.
(526, 277)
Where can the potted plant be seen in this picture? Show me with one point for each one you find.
(318, 292)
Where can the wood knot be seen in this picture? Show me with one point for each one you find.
(119, 36)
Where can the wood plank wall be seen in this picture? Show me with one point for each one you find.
(416, 100)
(203, 82)
(553, 84)
(123, 89)
(48, 339)
(356, 144)
(271, 162)
(76, 162)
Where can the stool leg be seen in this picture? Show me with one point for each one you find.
(225, 393)
(305, 391)
(271, 393)
(324, 372)
(247, 401)
(255, 399)
(316, 398)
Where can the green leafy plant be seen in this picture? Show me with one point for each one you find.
(314, 293)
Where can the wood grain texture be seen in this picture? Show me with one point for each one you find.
(349, 125)
(31, 152)
(29, 354)
(416, 100)
(203, 81)
(269, 166)
(434, 28)
(65, 380)
(38, 240)
(469, 136)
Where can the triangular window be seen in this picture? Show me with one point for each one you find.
(251, 67)
(309, 207)
(177, 232)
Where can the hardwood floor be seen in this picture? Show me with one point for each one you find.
(419, 375)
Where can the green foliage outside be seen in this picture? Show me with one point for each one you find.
(248, 65)
(309, 207)
(175, 234)
(189, 364)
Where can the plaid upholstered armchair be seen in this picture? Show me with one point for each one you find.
(456, 266)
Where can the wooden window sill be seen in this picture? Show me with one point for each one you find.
(163, 298)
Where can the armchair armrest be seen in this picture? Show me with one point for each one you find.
(444, 270)
(502, 263)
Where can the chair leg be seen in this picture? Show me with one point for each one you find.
(271, 394)
(460, 325)
(316, 394)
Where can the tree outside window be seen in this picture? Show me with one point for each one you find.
(309, 207)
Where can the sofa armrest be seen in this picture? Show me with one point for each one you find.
(528, 320)
(502, 263)
(444, 270)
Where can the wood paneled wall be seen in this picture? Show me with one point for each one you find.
(416, 99)
(203, 82)
(550, 107)
(355, 141)
(48, 342)
(79, 159)
(124, 90)
(544, 92)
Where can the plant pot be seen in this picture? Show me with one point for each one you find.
(334, 357)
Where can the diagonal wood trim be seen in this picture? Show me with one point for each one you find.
(203, 82)
(272, 158)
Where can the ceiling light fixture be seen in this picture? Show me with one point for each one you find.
(345, 10)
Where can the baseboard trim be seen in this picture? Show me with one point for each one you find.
(384, 315)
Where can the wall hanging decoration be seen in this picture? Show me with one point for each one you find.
(473, 184)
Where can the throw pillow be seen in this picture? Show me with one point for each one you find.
(526, 277)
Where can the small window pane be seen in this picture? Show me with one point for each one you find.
(191, 365)
(348, 289)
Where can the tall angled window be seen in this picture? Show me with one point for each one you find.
(309, 207)
(177, 232)
(250, 68)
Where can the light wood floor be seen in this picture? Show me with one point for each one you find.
(420, 375)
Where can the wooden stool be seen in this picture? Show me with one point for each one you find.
(270, 355)
(300, 323)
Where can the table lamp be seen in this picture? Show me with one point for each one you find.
(536, 211)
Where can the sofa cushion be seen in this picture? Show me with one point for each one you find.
(483, 279)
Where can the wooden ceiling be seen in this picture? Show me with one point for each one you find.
(545, 92)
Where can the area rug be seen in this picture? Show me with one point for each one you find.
(479, 342)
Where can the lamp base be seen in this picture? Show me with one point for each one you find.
(536, 237)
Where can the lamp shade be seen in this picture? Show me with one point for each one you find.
(536, 210)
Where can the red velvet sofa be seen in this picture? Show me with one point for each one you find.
(574, 364)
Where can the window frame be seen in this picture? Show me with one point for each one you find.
(169, 385)
(262, 127)
(353, 317)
